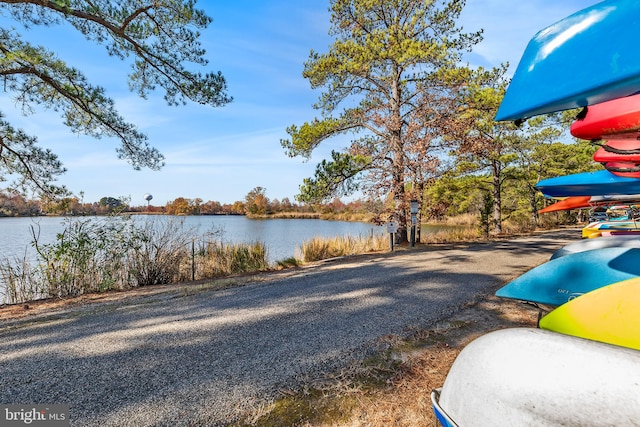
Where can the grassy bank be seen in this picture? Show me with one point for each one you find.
(329, 216)
(324, 248)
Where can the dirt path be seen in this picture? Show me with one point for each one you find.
(192, 355)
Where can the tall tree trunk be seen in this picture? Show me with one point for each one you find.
(419, 198)
(399, 197)
(397, 148)
(497, 196)
(535, 217)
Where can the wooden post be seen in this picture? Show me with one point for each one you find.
(392, 228)
(193, 260)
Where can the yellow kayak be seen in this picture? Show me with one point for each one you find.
(590, 233)
(610, 314)
(597, 229)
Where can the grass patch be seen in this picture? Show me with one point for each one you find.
(298, 409)
(465, 220)
(453, 235)
(288, 263)
(324, 248)
(223, 259)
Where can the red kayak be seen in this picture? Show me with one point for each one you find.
(578, 202)
(602, 156)
(626, 169)
(619, 118)
(622, 146)
(573, 202)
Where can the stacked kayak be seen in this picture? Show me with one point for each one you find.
(624, 241)
(617, 122)
(568, 203)
(620, 157)
(610, 314)
(562, 279)
(535, 377)
(597, 183)
(608, 218)
(618, 119)
(587, 58)
(611, 228)
(578, 202)
(581, 366)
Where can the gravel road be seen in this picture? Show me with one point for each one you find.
(203, 357)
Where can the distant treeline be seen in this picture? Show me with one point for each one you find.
(255, 204)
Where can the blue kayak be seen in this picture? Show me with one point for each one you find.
(598, 183)
(562, 279)
(584, 59)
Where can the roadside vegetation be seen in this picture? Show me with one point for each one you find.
(121, 252)
(118, 253)
(324, 248)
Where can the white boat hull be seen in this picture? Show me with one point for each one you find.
(624, 241)
(533, 377)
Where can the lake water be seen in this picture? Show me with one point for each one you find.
(282, 237)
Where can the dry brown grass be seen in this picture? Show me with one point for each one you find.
(453, 235)
(320, 248)
(467, 220)
(405, 400)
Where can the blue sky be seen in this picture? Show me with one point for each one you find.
(223, 153)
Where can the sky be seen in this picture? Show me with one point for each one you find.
(222, 153)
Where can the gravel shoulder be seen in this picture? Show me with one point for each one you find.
(207, 353)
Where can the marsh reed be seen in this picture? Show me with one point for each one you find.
(323, 248)
(117, 253)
